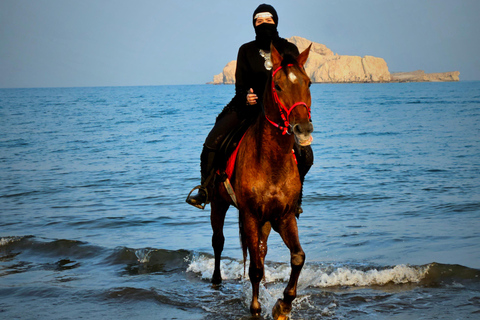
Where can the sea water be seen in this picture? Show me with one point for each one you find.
(94, 224)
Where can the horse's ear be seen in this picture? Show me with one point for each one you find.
(276, 57)
(302, 58)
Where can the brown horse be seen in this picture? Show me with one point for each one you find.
(266, 179)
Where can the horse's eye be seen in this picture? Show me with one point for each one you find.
(277, 87)
(309, 84)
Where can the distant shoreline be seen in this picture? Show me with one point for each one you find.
(207, 83)
(398, 77)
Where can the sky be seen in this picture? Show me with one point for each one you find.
(73, 43)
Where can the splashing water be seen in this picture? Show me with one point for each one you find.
(313, 275)
(143, 255)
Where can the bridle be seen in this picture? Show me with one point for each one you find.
(286, 128)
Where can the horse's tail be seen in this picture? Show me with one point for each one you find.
(243, 241)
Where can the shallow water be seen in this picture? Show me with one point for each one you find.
(93, 221)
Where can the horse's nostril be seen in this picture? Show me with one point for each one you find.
(303, 128)
(297, 129)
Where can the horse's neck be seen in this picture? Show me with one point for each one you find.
(271, 148)
(272, 145)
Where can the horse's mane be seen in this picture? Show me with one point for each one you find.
(287, 59)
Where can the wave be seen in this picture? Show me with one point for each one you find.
(314, 274)
(334, 275)
(56, 248)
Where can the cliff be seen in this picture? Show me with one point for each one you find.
(324, 66)
(227, 76)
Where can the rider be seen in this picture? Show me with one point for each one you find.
(251, 75)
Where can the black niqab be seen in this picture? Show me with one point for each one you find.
(266, 32)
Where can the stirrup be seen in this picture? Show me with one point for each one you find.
(198, 205)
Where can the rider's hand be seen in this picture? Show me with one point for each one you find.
(251, 97)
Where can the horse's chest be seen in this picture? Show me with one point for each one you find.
(267, 183)
(272, 195)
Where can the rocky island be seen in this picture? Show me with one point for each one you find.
(324, 66)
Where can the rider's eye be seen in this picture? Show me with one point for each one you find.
(277, 87)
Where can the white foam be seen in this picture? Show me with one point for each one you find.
(230, 269)
(7, 240)
(346, 276)
(313, 275)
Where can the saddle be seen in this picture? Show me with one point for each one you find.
(230, 145)
(226, 155)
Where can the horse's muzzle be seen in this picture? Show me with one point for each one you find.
(303, 133)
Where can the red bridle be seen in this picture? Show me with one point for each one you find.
(284, 111)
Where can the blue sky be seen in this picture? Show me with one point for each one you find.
(65, 43)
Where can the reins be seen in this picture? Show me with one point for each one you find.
(284, 111)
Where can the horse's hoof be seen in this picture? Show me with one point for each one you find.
(216, 277)
(256, 311)
(281, 310)
(216, 281)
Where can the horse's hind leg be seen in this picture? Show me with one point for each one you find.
(289, 233)
(217, 219)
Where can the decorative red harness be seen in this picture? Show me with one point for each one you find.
(284, 111)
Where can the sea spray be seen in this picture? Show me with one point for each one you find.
(350, 276)
(314, 275)
(143, 255)
(230, 269)
(271, 287)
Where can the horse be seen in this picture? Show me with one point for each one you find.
(266, 181)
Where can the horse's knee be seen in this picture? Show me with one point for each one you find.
(255, 273)
(298, 259)
(218, 240)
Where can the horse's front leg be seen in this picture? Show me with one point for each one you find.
(217, 219)
(256, 240)
(289, 233)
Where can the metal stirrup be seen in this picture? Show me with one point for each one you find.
(200, 206)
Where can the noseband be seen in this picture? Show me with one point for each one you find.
(286, 128)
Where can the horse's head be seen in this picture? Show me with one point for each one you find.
(290, 88)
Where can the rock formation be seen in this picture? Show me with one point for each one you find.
(420, 75)
(324, 66)
(228, 74)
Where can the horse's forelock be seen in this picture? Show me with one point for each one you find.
(288, 59)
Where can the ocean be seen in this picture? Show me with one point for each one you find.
(94, 224)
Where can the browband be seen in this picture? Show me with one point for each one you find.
(263, 15)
